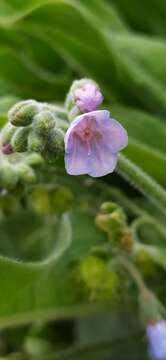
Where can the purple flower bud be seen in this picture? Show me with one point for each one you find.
(88, 96)
(7, 149)
(92, 143)
(156, 333)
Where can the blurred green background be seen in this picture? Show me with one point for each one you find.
(44, 45)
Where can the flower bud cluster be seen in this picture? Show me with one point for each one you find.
(47, 199)
(18, 171)
(36, 127)
(98, 282)
(112, 220)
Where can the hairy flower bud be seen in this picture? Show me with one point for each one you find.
(112, 220)
(39, 200)
(50, 200)
(44, 122)
(7, 149)
(8, 176)
(84, 96)
(21, 114)
(98, 281)
(36, 142)
(20, 139)
(6, 133)
(26, 173)
(54, 146)
(33, 159)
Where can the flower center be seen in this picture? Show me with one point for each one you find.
(87, 135)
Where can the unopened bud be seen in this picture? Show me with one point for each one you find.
(20, 139)
(112, 220)
(7, 149)
(101, 284)
(8, 176)
(54, 146)
(40, 200)
(33, 159)
(26, 173)
(22, 113)
(84, 96)
(36, 142)
(44, 122)
(6, 133)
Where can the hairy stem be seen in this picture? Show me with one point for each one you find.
(147, 185)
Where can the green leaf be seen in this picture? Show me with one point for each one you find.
(148, 159)
(142, 181)
(142, 126)
(147, 16)
(129, 66)
(45, 289)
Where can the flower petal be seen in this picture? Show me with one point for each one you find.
(102, 161)
(76, 157)
(98, 155)
(157, 340)
(115, 135)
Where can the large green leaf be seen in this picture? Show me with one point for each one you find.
(147, 16)
(45, 288)
(130, 66)
(147, 145)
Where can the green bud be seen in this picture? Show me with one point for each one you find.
(40, 200)
(22, 113)
(7, 133)
(112, 220)
(47, 200)
(36, 142)
(26, 173)
(101, 284)
(8, 176)
(8, 202)
(20, 139)
(44, 122)
(34, 159)
(54, 146)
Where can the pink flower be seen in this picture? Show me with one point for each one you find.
(88, 96)
(92, 143)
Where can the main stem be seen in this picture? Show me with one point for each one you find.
(134, 273)
(142, 181)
